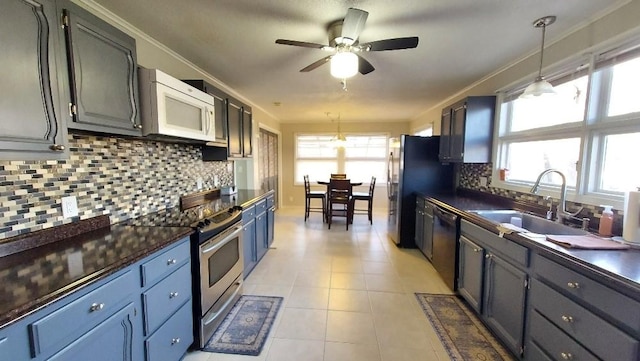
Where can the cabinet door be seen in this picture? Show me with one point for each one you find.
(261, 235)
(112, 340)
(247, 131)
(271, 218)
(103, 81)
(427, 240)
(458, 119)
(220, 118)
(234, 121)
(249, 246)
(470, 270)
(445, 134)
(504, 298)
(30, 126)
(419, 228)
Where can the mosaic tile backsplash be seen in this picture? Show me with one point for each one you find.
(123, 178)
(469, 177)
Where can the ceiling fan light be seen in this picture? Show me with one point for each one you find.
(344, 65)
(537, 88)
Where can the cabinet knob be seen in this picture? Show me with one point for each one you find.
(137, 126)
(566, 356)
(476, 250)
(175, 294)
(487, 256)
(171, 261)
(96, 307)
(175, 340)
(567, 318)
(57, 147)
(573, 285)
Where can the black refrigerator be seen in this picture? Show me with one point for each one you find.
(413, 168)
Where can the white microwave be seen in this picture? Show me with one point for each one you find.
(170, 107)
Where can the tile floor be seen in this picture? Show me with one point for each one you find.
(348, 295)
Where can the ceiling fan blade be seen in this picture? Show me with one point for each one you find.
(391, 44)
(300, 43)
(353, 24)
(364, 67)
(316, 64)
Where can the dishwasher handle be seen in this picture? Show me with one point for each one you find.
(445, 216)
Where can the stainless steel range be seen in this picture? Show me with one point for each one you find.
(216, 258)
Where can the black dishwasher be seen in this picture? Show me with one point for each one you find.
(445, 249)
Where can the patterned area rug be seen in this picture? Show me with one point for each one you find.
(246, 327)
(459, 329)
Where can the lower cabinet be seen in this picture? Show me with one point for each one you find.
(111, 340)
(424, 227)
(258, 221)
(249, 240)
(119, 318)
(261, 235)
(494, 282)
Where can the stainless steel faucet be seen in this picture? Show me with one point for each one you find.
(562, 207)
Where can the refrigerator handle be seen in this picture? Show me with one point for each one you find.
(389, 174)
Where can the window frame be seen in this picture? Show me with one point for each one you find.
(341, 157)
(592, 130)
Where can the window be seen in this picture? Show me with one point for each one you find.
(425, 132)
(590, 130)
(361, 158)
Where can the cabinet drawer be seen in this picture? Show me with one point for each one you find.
(584, 289)
(271, 200)
(171, 340)
(167, 296)
(514, 252)
(534, 353)
(554, 342)
(162, 264)
(602, 338)
(81, 315)
(261, 206)
(248, 214)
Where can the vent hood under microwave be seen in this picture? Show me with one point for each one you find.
(172, 108)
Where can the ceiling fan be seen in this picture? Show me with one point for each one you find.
(346, 60)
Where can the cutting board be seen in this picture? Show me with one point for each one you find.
(585, 242)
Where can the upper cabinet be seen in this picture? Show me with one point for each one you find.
(101, 83)
(234, 122)
(467, 129)
(247, 129)
(31, 126)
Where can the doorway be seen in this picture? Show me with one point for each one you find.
(268, 162)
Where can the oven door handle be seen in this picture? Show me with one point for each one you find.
(221, 243)
(213, 316)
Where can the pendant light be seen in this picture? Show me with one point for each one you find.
(540, 86)
(339, 141)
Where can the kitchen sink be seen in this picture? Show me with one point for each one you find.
(531, 223)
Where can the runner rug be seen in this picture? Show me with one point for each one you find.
(246, 327)
(461, 332)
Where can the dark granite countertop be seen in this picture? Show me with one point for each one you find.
(245, 197)
(619, 269)
(35, 277)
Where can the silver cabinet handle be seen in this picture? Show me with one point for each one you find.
(96, 307)
(171, 261)
(173, 294)
(476, 250)
(573, 285)
(566, 356)
(487, 256)
(57, 147)
(137, 126)
(175, 340)
(567, 318)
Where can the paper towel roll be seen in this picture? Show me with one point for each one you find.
(631, 223)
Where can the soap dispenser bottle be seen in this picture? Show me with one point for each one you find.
(606, 222)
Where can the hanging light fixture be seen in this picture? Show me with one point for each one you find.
(540, 86)
(339, 141)
(344, 65)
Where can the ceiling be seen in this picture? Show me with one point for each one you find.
(461, 41)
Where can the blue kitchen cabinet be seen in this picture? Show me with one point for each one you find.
(113, 339)
(261, 235)
(249, 239)
(271, 219)
(504, 301)
(470, 272)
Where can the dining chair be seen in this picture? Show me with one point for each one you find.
(338, 176)
(309, 195)
(340, 201)
(367, 197)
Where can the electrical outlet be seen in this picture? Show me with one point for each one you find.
(69, 207)
(199, 183)
(216, 181)
(483, 181)
(229, 167)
